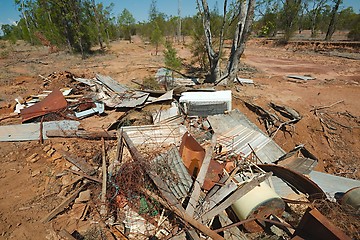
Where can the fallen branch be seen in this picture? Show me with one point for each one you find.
(323, 107)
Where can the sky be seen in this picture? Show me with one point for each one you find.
(139, 8)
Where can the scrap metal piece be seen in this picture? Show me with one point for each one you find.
(332, 184)
(236, 133)
(314, 225)
(296, 180)
(352, 199)
(54, 102)
(304, 78)
(100, 108)
(171, 169)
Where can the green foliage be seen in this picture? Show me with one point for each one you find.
(151, 83)
(156, 37)
(354, 33)
(171, 59)
(126, 23)
(77, 24)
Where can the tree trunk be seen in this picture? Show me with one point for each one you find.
(331, 28)
(241, 34)
(97, 25)
(26, 21)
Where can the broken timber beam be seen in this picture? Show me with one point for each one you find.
(190, 209)
(82, 134)
(80, 163)
(62, 205)
(235, 196)
(84, 175)
(170, 202)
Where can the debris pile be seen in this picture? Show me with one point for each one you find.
(179, 165)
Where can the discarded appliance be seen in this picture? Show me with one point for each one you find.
(54, 102)
(203, 104)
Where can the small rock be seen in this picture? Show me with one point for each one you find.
(47, 148)
(35, 172)
(84, 196)
(33, 156)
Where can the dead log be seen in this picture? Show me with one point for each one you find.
(91, 135)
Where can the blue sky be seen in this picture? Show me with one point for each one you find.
(139, 8)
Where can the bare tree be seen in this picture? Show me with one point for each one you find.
(314, 11)
(331, 28)
(243, 16)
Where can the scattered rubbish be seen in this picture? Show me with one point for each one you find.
(187, 168)
(304, 78)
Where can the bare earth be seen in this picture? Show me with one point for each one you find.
(29, 190)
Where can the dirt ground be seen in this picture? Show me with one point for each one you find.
(28, 188)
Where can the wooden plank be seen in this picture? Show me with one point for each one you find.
(170, 202)
(65, 234)
(80, 163)
(82, 134)
(235, 196)
(190, 209)
(84, 175)
(103, 210)
(61, 207)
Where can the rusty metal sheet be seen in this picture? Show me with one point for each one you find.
(296, 180)
(193, 155)
(314, 225)
(54, 102)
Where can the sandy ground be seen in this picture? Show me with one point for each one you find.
(29, 190)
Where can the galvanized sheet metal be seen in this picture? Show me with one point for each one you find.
(155, 135)
(31, 131)
(332, 184)
(172, 170)
(236, 132)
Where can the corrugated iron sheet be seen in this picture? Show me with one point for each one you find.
(174, 173)
(120, 95)
(236, 133)
(155, 135)
(55, 101)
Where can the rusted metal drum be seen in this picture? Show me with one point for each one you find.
(352, 198)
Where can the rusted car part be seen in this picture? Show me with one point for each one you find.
(314, 225)
(296, 180)
(54, 102)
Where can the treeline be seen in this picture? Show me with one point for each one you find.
(319, 16)
(80, 24)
